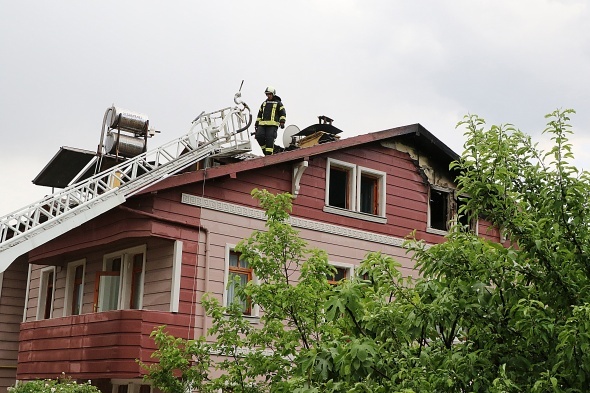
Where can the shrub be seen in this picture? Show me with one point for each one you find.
(61, 384)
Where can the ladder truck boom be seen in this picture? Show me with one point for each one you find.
(218, 133)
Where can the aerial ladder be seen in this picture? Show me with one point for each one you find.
(215, 134)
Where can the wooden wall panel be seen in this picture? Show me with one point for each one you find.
(158, 275)
(92, 346)
(157, 280)
(110, 227)
(340, 249)
(12, 301)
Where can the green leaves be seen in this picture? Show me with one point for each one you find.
(62, 384)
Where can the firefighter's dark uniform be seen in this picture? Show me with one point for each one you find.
(270, 116)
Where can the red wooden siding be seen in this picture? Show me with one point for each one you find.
(157, 279)
(91, 346)
(12, 299)
(406, 192)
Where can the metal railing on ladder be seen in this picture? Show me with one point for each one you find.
(212, 134)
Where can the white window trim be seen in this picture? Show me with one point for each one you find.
(176, 270)
(353, 214)
(255, 308)
(125, 275)
(351, 192)
(381, 179)
(43, 290)
(429, 229)
(354, 187)
(71, 271)
(26, 308)
(348, 266)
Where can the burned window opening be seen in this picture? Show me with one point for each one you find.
(439, 209)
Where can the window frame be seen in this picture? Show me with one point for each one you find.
(136, 286)
(254, 309)
(349, 267)
(126, 278)
(452, 206)
(380, 178)
(353, 189)
(44, 277)
(350, 169)
(70, 286)
(449, 193)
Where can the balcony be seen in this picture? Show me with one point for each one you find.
(92, 346)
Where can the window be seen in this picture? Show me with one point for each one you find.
(369, 194)
(343, 272)
(46, 293)
(339, 188)
(120, 284)
(145, 389)
(74, 288)
(239, 274)
(438, 209)
(136, 281)
(443, 211)
(355, 191)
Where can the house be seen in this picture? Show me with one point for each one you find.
(85, 302)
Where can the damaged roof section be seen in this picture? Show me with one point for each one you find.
(429, 152)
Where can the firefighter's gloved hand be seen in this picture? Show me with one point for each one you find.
(282, 125)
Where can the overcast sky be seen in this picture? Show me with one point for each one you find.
(368, 64)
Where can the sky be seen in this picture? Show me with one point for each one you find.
(370, 65)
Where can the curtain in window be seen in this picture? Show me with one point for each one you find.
(108, 297)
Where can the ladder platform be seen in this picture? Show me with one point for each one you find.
(216, 134)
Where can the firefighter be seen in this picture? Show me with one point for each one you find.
(270, 116)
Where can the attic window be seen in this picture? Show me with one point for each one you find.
(439, 209)
(355, 191)
(339, 195)
(443, 210)
(369, 194)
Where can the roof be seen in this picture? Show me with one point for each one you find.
(413, 135)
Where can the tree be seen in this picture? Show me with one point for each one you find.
(482, 317)
(290, 291)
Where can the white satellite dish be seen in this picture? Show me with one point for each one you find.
(288, 137)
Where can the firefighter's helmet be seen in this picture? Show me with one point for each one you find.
(270, 90)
